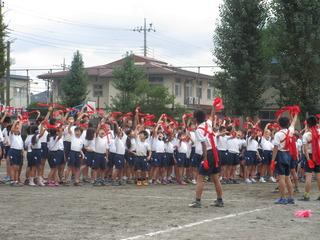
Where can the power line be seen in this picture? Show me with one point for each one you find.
(145, 30)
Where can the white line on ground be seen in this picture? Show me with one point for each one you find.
(151, 234)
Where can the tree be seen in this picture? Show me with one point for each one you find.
(298, 52)
(3, 60)
(135, 90)
(74, 85)
(238, 50)
(125, 79)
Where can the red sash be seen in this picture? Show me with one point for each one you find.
(290, 145)
(212, 143)
(315, 145)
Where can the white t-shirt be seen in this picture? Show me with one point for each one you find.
(280, 138)
(67, 135)
(169, 147)
(142, 148)
(16, 141)
(182, 147)
(55, 144)
(266, 144)
(306, 140)
(76, 143)
(222, 142)
(120, 144)
(159, 145)
(101, 145)
(234, 145)
(27, 143)
(252, 144)
(201, 134)
(38, 142)
(193, 138)
(6, 140)
(90, 145)
(43, 139)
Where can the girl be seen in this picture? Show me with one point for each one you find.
(251, 157)
(56, 154)
(159, 156)
(130, 156)
(182, 149)
(100, 160)
(143, 152)
(169, 148)
(267, 147)
(15, 152)
(6, 145)
(120, 144)
(76, 152)
(89, 155)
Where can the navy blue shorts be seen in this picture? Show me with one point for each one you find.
(212, 168)
(119, 161)
(141, 164)
(56, 158)
(36, 157)
(266, 157)
(223, 157)
(110, 162)
(44, 151)
(74, 159)
(170, 159)
(15, 157)
(193, 151)
(293, 163)
(100, 161)
(260, 151)
(303, 161)
(251, 158)
(196, 160)
(181, 159)
(311, 170)
(283, 163)
(6, 151)
(187, 163)
(89, 158)
(159, 160)
(66, 148)
(29, 159)
(233, 159)
(130, 159)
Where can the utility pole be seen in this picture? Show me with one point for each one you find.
(145, 29)
(28, 88)
(2, 58)
(8, 75)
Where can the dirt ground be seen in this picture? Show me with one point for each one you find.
(154, 212)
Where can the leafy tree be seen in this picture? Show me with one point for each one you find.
(126, 79)
(238, 49)
(135, 90)
(3, 60)
(74, 85)
(297, 44)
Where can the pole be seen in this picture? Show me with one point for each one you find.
(2, 81)
(28, 89)
(8, 75)
(145, 38)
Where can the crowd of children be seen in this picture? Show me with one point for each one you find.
(114, 149)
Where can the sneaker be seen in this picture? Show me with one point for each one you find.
(158, 181)
(281, 201)
(318, 199)
(182, 183)
(194, 182)
(56, 184)
(253, 180)
(40, 183)
(116, 183)
(145, 183)
(31, 183)
(262, 180)
(296, 190)
(51, 184)
(195, 204)
(248, 181)
(272, 179)
(304, 198)
(217, 203)
(26, 182)
(139, 183)
(276, 190)
(96, 183)
(234, 181)
(290, 201)
(77, 184)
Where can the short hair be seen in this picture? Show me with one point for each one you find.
(312, 121)
(7, 119)
(145, 133)
(200, 116)
(284, 122)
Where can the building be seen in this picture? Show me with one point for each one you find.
(19, 91)
(39, 97)
(190, 89)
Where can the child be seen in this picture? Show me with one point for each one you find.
(100, 159)
(282, 158)
(15, 152)
(159, 156)
(130, 155)
(222, 146)
(89, 155)
(267, 147)
(120, 144)
(251, 157)
(169, 148)
(6, 145)
(181, 156)
(76, 152)
(143, 153)
(56, 155)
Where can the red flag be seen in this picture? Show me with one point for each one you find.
(218, 104)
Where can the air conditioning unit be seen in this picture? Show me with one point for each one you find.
(196, 100)
(188, 100)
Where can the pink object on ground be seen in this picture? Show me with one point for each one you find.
(303, 213)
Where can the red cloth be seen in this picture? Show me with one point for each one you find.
(315, 143)
(218, 104)
(273, 165)
(293, 110)
(212, 143)
(290, 145)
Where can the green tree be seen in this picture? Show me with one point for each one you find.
(74, 85)
(238, 49)
(3, 60)
(126, 79)
(297, 43)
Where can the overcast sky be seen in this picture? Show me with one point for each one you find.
(47, 31)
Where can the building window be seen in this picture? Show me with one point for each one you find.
(97, 90)
(18, 92)
(177, 88)
(188, 89)
(156, 80)
(209, 93)
(199, 92)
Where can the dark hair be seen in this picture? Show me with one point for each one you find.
(128, 141)
(145, 133)
(200, 116)
(221, 128)
(40, 119)
(312, 121)
(33, 130)
(7, 120)
(90, 133)
(78, 129)
(229, 128)
(52, 133)
(284, 122)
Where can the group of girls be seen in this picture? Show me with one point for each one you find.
(104, 149)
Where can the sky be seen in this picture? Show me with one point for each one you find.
(45, 32)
